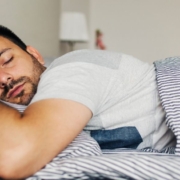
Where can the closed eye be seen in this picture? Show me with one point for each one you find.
(8, 61)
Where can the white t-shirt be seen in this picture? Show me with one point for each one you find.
(120, 90)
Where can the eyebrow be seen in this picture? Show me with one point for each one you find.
(4, 50)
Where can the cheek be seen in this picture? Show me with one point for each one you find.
(16, 73)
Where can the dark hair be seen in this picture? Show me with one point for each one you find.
(8, 34)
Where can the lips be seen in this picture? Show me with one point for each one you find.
(15, 91)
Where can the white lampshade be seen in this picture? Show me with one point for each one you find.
(73, 27)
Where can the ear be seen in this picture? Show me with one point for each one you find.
(35, 53)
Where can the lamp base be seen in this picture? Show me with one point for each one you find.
(71, 45)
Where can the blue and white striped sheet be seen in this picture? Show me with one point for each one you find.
(168, 80)
(139, 166)
(83, 159)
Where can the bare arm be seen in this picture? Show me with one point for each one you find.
(31, 140)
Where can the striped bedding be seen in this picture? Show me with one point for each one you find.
(83, 159)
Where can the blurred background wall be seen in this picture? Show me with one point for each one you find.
(35, 21)
(148, 30)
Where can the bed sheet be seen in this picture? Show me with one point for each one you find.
(83, 159)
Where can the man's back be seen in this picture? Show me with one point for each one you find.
(120, 91)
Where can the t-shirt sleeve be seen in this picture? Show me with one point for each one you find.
(78, 81)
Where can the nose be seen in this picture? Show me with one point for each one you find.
(5, 79)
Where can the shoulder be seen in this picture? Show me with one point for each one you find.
(101, 58)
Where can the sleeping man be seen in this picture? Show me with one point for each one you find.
(112, 96)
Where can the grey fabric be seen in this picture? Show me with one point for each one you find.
(168, 80)
(119, 89)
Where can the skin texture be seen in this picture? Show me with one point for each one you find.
(30, 140)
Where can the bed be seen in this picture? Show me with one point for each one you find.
(83, 158)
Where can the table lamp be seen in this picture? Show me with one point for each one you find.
(73, 28)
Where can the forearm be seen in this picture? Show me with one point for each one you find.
(18, 153)
(31, 140)
(11, 139)
(10, 126)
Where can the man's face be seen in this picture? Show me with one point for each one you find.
(19, 73)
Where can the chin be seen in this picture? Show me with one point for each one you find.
(23, 100)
